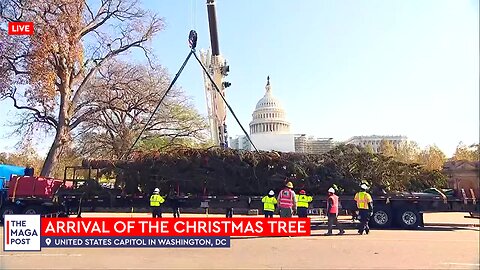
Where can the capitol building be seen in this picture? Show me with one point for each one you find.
(270, 130)
(269, 115)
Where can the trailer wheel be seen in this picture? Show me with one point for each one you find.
(34, 210)
(381, 218)
(408, 218)
(8, 210)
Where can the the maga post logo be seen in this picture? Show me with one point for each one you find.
(21, 233)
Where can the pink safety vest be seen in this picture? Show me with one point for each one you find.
(286, 198)
(334, 209)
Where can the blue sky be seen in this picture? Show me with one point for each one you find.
(340, 68)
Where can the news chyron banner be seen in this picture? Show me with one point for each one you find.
(32, 233)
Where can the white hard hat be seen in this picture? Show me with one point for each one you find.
(331, 190)
(271, 193)
(363, 186)
(157, 190)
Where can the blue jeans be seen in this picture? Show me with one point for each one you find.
(364, 219)
(229, 213)
(156, 212)
(302, 212)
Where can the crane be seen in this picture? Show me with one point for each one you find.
(215, 69)
(218, 69)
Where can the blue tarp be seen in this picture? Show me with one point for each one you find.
(7, 170)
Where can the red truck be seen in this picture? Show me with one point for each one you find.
(30, 195)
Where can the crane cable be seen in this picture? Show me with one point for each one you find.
(159, 102)
(193, 13)
(224, 100)
(193, 44)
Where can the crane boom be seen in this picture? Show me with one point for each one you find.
(212, 25)
(218, 69)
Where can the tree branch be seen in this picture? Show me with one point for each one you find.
(14, 68)
(93, 25)
(84, 117)
(45, 118)
(110, 55)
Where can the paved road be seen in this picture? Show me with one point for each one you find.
(432, 218)
(429, 248)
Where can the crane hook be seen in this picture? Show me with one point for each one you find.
(192, 39)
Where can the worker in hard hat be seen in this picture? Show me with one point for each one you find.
(287, 201)
(269, 202)
(332, 212)
(365, 208)
(302, 204)
(175, 204)
(155, 201)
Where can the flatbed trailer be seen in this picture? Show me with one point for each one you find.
(403, 210)
(396, 209)
(390, 210)
(74, 196)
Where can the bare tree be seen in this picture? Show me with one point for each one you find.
(124, 96)
(72, 41)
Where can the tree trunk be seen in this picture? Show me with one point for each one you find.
(53, 156)
(62, 136)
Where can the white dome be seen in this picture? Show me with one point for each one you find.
(269, 115)
(268, 101)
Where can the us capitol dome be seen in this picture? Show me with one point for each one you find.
(269, 130)
(269, 116)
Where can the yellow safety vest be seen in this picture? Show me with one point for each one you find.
(156, 200)
(303, 200)
(269, 203)
(363, 198)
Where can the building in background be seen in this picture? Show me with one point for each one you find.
(269, 116)
(270, 130)
(312, 145)
(240, 142)
(463, 175)
(374, 141)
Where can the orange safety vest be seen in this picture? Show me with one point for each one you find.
(285, 198)
(334, 209)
